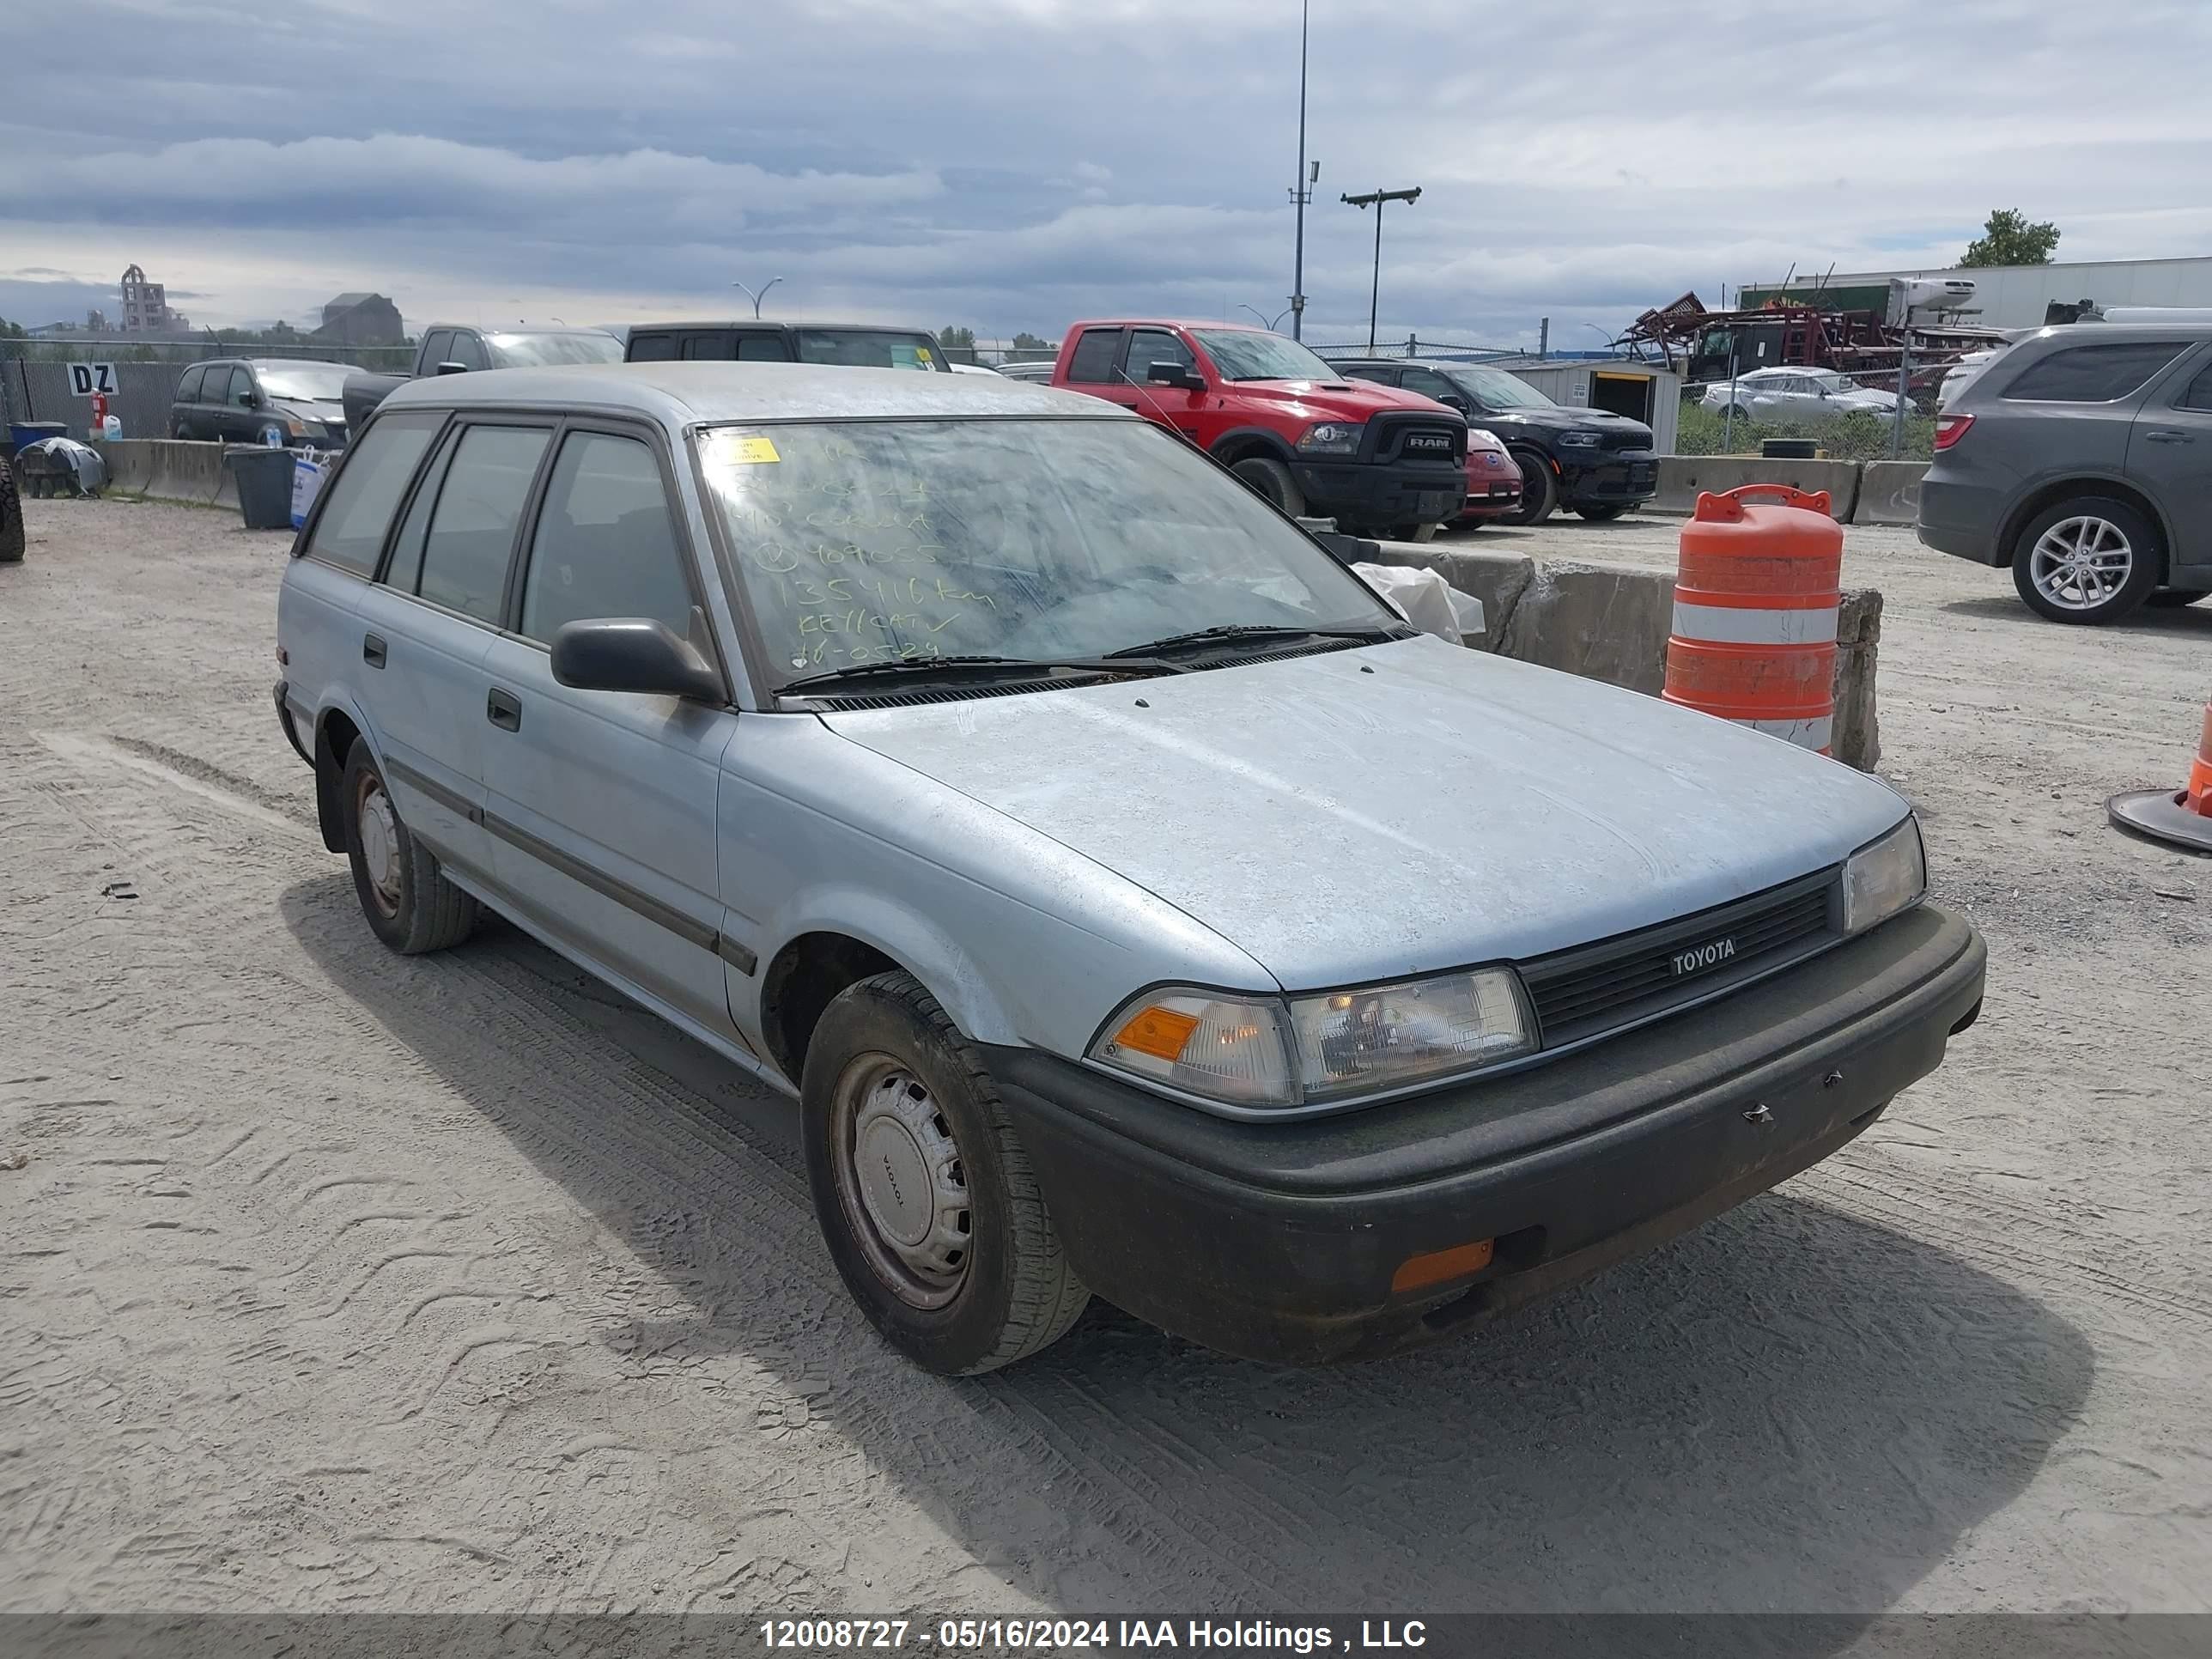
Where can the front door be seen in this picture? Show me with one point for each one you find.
(601, 804)
(2170, 455)
(1174, 406)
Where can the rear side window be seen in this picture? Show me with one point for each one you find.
(465, 557)
(708, 348)
(1093, 361)
(350, 533)
(2199, 394)
(228, 385)
(188, 389)
(606, 543)
(652, 348)
(762, 349)
(2093, 374)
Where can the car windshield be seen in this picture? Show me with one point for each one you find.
(1493, 388)
(864, 542)
(862, 347)
(321, 383)
(539, 350)
(1245, 354)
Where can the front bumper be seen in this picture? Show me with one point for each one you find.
(1491, 495)
(1608, 477)
(1379, 494)
(1280, 1243)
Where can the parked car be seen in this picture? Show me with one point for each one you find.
(1378, 461)
(276, 401)
(1598, 464)
(1129, 901)
(451, 349)
(1959, 376)
(972, 368)
(2078, 459)
(852, 345)
(1799, 397)
(1493, 479)
(1039, 371)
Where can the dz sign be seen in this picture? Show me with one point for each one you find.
(93, 380)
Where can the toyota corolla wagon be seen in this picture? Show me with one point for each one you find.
(1129, 902)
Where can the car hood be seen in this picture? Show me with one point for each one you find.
(1556, 419)
(1344, 399)
(1395, 808)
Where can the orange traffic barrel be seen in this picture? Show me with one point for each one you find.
(2182, 817)
(1756, 598)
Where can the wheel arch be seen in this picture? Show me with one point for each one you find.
(338, 728)
(1243, 442)
(2045, 496)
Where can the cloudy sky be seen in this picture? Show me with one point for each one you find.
(1013, 164)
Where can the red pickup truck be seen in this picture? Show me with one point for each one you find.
(1378, 460)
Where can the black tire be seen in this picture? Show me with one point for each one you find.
(1736, 412)
(1271, 482)
(423, 911)
(2173, 598)
(13, 535)
(1540, 491)
(1604, 515)
(2145, 558)
(1013, 1291)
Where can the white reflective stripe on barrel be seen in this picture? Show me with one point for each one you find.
(1806, 734)
(1727, 624)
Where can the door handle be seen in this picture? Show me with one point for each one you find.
(371, 650)
(2168, 435)
(502, 710)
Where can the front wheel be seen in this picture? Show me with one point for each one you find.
(922, 1189)
(1540, 491)
(2092, 559)
(1272, 481)
(403, 891)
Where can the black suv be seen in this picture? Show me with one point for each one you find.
(1598, 464)
(854, 345)
(277, 401)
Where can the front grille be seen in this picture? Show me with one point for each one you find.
(1596, 988)
(1395, 433)
(1626, 440)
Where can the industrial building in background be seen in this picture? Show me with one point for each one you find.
(146, 307)
(2008, 297)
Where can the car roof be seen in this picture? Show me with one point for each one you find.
(287, 362)
(495, 328)
(1214, 323)
(782, 322)
(696, 393)
(2090, 333)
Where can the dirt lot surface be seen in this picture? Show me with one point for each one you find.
(336, 1280)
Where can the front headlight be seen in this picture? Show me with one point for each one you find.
(1264, 1054)
(1578, 440)
(1332, 438)
(1884, 877)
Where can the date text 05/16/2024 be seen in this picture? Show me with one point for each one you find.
(1063, 1634)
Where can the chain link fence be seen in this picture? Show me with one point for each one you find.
(35, 385)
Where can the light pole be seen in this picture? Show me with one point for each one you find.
(1302, 191)
(1265, 321)
(757, 298)
(1375, 198)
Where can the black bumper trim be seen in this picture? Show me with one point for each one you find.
(1279, 1242)
(282, 693)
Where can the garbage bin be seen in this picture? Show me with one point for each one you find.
(265, 486)
(24, 434)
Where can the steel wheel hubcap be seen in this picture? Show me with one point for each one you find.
(902, 1180)
(2080, 563)
(379, 845)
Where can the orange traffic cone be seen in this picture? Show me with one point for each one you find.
(2183, 820)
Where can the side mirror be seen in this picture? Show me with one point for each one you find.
(1453, 400)
(633, 654)
(1174, 374)
(250, 400)
(453, 369)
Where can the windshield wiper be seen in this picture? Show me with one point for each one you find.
(1117, 664)
(1260, 630)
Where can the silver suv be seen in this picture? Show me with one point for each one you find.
(2082, 457)
(1129, 901)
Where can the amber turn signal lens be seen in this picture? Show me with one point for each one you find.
(1416, 1272)
(1159, 1032)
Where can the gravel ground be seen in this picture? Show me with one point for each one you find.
(336, 1281)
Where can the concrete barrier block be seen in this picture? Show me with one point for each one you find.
(1889, 492)
(1499, 580)
(1855, 736)
(1683, 479)
(1601, 622)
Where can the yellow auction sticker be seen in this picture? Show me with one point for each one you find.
(743, 451)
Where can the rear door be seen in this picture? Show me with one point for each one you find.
(601, 805)
(429, 624)
(2170, 455)
(1092, 366)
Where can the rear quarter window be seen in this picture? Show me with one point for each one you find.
(2093, 374)
(1093, 361)
(188, 389)
(652, 348)
(349, 532)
